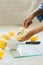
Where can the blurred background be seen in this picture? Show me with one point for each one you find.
(13, 12)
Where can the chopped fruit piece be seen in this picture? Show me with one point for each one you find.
(3, 43)
(21, 33)
(6, 37)
(26, 30)
(19, 37)
(11, 34)
(23, 29)
(33, 38)
(1, 53)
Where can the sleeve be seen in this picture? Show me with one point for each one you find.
(41, 6)
(40, 17)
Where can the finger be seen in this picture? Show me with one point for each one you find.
(27, 24)
(20, 40)
(24, 22)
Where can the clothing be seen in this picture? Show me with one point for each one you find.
(40, 17)
(41, 6)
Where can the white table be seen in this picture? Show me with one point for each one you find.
(9, 60)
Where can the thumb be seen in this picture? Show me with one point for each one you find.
(29, 23)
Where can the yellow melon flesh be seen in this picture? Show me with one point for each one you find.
(3, 43)
(11, 34)
(22, 32)
(1, 53)
(33, 38)
(6, 37)
(19, 37)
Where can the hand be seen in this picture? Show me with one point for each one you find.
(27, 22)
(25, 37)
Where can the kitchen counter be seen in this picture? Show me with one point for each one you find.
(9, 60)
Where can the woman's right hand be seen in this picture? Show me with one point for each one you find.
(27, 22)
